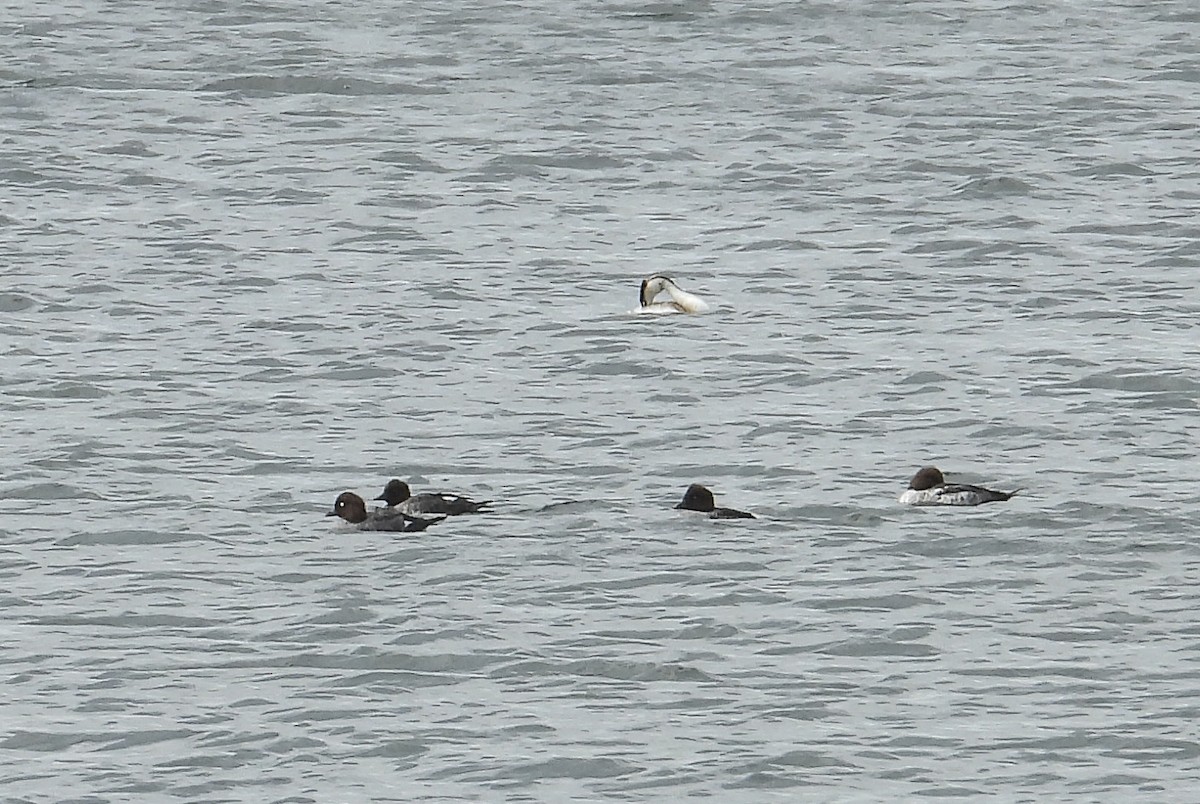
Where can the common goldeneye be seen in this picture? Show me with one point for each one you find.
(681, 301)
(399, 497)
(350, 507)
(698, 498)
(928, 487)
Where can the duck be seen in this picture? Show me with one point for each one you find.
(399, 497)
(681, 301)
(352, 508)
(699, 498)
(929, 487)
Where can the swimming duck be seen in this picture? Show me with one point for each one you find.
(399, 497)
(698, 498)
(929, 487)
(350, 507)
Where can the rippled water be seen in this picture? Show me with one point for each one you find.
(257, 254)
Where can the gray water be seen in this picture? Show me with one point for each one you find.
(258, 254)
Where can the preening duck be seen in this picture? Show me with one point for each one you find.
(680, 300)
